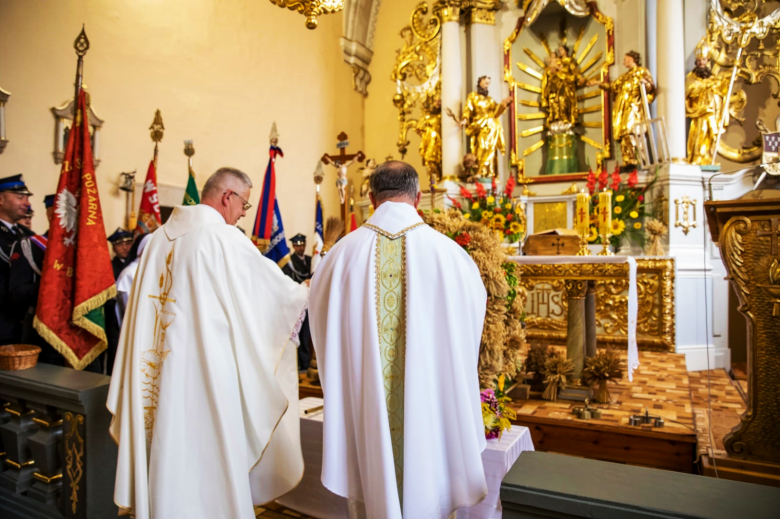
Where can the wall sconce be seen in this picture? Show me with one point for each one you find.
(3, 100)
(63, 116)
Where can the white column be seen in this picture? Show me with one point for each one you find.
(451, 91)
(485, 58)
(670, 42)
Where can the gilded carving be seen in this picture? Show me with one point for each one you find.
(74, 455)
(547, 302)
(729, 35)
(416, 73)
(749, 249)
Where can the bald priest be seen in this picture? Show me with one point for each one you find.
(396, 313)
(205, 371)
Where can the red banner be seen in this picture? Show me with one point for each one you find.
(77, 278)
(149, 213)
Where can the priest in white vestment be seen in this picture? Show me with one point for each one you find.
(396, 314)
(205, 388)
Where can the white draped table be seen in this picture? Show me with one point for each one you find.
(311, 498)
(583, 268)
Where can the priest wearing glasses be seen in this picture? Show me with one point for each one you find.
(205, 387)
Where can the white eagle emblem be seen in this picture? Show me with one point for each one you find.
(68, 213)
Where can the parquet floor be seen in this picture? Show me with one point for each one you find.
(660, 385)
(276, 511)
(727, 406)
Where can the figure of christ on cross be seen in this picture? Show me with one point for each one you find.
(342, 161)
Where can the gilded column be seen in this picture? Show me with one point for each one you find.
(575, 325)
(451, 86)
(590, 320)
(484, 54)
(671, 73)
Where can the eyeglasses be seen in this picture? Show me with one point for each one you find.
(247, 206)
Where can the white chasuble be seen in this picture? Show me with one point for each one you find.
(204, 375)
(396, 314)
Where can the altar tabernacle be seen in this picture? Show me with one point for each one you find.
(396, 312)
(204, 370)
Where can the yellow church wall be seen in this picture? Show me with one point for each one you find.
(221, 72)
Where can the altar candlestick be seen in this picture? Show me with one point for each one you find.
(605, 212)
(583, 213)
(582, 224)
(605, 221)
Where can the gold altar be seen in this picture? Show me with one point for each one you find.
(547, 303)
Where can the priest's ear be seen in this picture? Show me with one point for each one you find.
(417, 199)
(372, 199)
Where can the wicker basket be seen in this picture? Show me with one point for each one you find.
(15, 357)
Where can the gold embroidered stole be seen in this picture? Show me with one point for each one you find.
(152, 360)
(391, 316)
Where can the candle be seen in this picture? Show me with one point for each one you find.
(582, 215)
(605, 212)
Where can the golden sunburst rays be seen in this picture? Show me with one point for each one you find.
(530, 71)
(590, 109)
(529, 88)
(592, 124)
(588, 48)
(532, 131)
(532, 148)
(592, 61)
(589, 95)
(591, 142)
(543, 40)
(531, 117)
(579, 40)
(532, 104)
(536, 59)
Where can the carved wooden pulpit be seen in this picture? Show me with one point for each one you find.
(748, 233)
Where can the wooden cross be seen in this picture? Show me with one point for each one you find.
(341, 158)
(773, 233)
(558, 244)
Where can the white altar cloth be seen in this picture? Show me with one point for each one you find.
(633, 304)
(311, 498)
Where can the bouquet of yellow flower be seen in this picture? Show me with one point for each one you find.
(498, 211)
(628, 208)
(496, 415)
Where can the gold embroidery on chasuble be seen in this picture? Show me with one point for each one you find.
(152, 360)
(391, 316)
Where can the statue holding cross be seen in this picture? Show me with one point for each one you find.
(342, 161)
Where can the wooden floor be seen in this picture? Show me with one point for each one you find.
(277, 511)
(661, 385)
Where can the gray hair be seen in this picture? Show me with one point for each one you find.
(223, 176)
(394, 179)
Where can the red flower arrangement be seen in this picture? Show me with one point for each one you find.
(591, 181)
(603, 178)
(463, 239)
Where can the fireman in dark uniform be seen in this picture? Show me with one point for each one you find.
(299, 270)
(14, 206)
(121, 241)
(25, 282)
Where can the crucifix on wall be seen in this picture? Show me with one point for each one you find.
(342, 161)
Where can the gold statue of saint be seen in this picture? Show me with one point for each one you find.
(704, 96)
(481, 119)
(429, 130)
(628, 108)
(559, 90)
